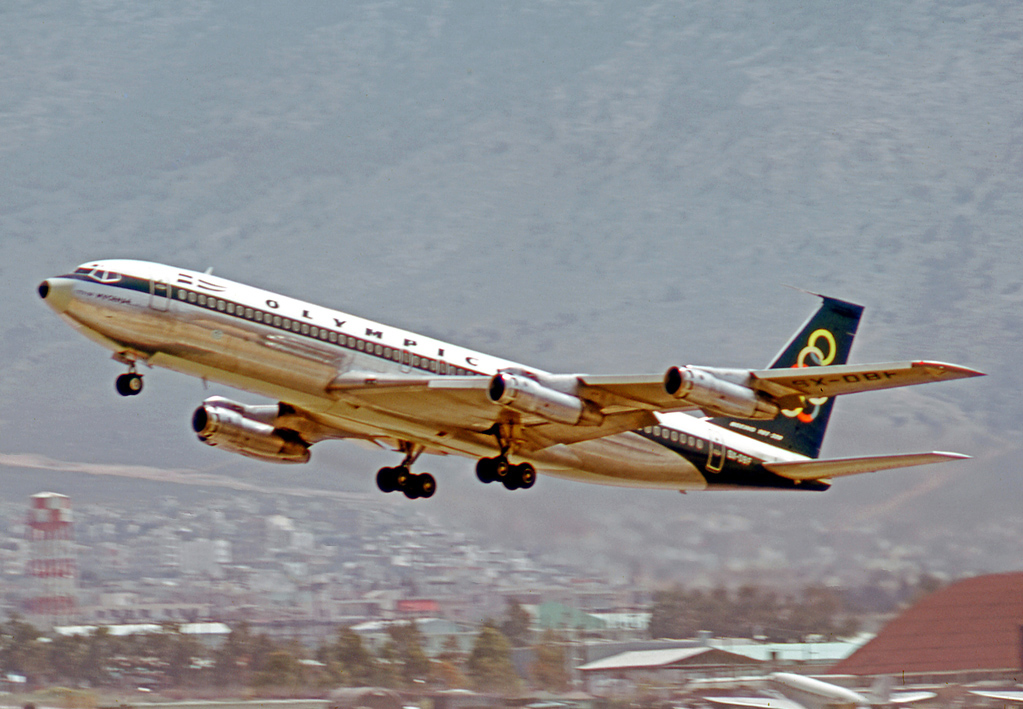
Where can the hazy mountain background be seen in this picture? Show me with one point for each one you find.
(583, 186)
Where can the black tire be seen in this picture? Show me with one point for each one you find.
(412, 487)
(526, 476)
(403, 477)
(426, 485)
(387, 480)
(511, 479)
(125, 385)
(486, 470)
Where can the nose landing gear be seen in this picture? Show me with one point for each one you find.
(129, 384)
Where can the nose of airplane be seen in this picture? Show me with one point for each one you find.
(57, 293)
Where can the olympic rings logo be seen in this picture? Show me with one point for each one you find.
(813, 355)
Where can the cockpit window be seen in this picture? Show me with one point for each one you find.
(102, 276)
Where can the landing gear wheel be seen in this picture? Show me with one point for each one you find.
(486, 470)
(387, 479)
(427, 485)
(420, 486)
(402, 476)
(526, 476)
(129, 384)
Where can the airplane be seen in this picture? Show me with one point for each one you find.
(1010, 696)
(792, 691)
(339, 376)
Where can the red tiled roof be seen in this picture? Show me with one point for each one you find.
(976, 624)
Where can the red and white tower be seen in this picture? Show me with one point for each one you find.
(51, 555)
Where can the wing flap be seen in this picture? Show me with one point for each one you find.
(837, 467)
(834, 380)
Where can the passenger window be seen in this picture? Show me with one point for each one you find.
(277, 320)
(191, 297)
(202, 299)
(248, 313)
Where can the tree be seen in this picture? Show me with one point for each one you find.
(516, 624)
(673, 614)
(230, 661)
(448, 664)
(20, 652)
(349, 660)
(548, 670)
(406, 649)
(489, 665)
(281, 669)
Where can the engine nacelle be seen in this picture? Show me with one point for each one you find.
(716, 395)
(530, 397)
(248, 430)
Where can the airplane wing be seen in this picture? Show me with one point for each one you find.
(756, 702)
(1006, 696)
(462, 402)
(837, 467)
(912, 697)
(628, 402)
(833, 380)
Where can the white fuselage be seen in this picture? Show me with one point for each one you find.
(289, 350)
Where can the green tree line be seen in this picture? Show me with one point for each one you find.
(751, 611)
(172, 659)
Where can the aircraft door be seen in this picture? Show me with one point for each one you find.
(716, 456)
(159, 295)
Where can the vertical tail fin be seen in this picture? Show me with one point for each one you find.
(825, 338)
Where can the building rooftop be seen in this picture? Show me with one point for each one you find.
(969, 625)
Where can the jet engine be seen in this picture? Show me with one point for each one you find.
(248, 430)
(528, 396)
(716, 395)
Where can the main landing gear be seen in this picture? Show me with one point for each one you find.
(401, 477)
(513, 477)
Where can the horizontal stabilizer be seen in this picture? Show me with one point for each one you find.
(834, 380)
(837, 467)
